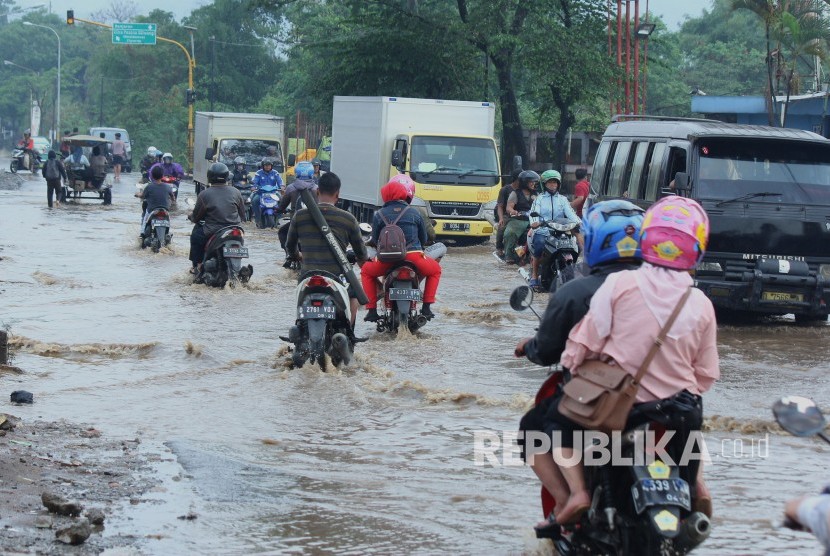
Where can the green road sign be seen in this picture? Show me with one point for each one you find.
(133, 33)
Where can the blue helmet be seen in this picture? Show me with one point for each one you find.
(612, 232)
(304, 170)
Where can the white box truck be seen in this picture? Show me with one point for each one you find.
(222, 136)
(445, 146)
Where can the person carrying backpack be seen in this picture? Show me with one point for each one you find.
(54, 171)
(398, 234)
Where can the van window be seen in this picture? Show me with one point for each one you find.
(655, 166)
(619, 169)
(599, 171)
(677, 163)
(637, 170)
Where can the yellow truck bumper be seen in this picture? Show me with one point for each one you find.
(463, 228)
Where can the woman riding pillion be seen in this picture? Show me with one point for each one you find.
(519, 205)
(625, 316)
(550, 205)
(396, 208)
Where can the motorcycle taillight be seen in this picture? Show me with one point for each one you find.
(161, 214)
(317, 282)
(317, 303)
(236, 232)
(404, 274)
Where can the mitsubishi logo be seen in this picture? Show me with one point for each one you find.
(454, 212)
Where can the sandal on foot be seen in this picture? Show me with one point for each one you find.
(577, 505)
(548, 529)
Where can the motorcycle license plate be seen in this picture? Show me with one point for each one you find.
(456, 227)
(235, 252)
(312, 312)
(404, 294)
(164, 223)
(660, 492)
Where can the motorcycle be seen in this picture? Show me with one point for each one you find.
(323, 323)
(640, 508)
(173, 182)
(21, 160)
(157, 230)
(401, 294)
(269, 199)
(557, 265)
(224, 252)
(245, 190)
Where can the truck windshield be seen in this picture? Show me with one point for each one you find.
(763, 171)
(252, 150)
(454, 160)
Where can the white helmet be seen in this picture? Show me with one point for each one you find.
(167, 155)
(151, 151)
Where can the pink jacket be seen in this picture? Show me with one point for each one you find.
(625, 317)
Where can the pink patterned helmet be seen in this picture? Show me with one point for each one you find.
(674, 233)
(408, 184)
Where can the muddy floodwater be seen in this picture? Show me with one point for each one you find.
(373, 458)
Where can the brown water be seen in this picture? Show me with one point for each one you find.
(374, 458)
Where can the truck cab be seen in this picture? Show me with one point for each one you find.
(457, 180)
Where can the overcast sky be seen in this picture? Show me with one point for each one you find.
(672, 11)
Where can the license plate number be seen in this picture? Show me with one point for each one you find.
(165, 223)
(456, 227)
(782, 296)
(404, 294)
(312, 312)
(235, 252)
(660, 492)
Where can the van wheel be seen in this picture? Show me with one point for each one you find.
(803, 318)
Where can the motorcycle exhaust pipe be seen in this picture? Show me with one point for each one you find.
(294, 335)
(694, 530)
(420, 321)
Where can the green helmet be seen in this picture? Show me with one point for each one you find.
(548, 175)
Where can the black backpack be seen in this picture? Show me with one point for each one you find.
(52, 171)
(391, 246)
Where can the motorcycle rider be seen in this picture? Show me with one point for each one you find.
(394, 195)
(303, 174)
(304, 233)
(612, 230)
(218, 206)
(550, 205)
(27, 144)
(624, 318)
(169, 167)
(239, 176)
(156, 194)
(265, 176)
(501, 210)
(315, 163)
(148, 161)
(518, 208)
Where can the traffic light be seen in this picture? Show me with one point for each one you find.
(70, 17)
(190, 97)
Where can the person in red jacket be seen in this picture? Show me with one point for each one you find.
(395, 195)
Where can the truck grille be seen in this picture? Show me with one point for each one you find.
(449, 208)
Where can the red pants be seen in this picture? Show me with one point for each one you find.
(426, 267)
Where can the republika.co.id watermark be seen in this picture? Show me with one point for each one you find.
(503, 448)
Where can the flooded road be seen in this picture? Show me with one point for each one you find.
(373, 458)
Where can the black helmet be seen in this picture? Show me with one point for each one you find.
(217, 173)
(526, 177)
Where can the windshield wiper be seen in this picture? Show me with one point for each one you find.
(440, 168)
(749, 196)
(468, 172)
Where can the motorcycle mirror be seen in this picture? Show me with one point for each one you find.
(800, 416)
(521, 298)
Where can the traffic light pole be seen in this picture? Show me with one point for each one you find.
(191, 64)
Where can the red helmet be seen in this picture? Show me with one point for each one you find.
(408, 184)
(398, 189)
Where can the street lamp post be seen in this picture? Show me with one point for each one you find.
(58, 96)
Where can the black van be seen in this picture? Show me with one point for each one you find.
(766, 191)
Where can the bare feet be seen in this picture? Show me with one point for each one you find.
(577, 505)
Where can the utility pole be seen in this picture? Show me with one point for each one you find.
(101, 105)
(212, 66)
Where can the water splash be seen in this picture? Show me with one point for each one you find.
(46, 349)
